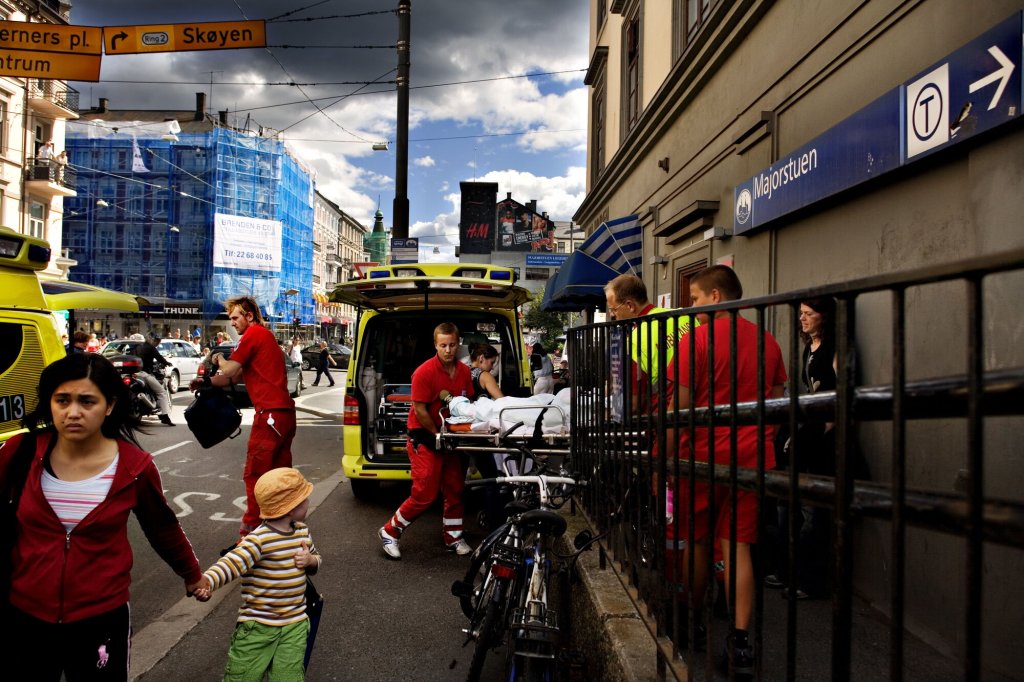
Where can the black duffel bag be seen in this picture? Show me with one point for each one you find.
(212, 416)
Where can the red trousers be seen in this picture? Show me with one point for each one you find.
(270, 447)
(432, 472)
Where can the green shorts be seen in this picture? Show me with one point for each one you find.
(257, 648)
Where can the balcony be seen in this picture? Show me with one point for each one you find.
(43, 180)
(335, 260)
(53, 98)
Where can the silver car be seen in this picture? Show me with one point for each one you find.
(184, 359)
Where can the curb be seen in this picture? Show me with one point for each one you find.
(605, 623)
(152, 643)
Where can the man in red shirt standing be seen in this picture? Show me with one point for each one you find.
(718, 284)
(433, 469)
(259, 362)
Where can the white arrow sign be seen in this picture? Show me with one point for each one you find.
(1002, 75)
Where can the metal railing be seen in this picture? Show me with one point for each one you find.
(42, 169)
(623, 424)
(58, 92)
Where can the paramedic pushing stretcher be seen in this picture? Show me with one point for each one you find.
(433, 469)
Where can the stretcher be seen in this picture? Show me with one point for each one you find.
(458, 434)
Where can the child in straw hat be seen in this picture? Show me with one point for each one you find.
(272, 562)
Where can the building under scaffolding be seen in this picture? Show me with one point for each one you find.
(188, 212)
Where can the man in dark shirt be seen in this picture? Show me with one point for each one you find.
(151, 361)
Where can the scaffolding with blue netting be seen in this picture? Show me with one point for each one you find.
(144, 220)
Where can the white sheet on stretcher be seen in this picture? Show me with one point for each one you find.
(485, 413)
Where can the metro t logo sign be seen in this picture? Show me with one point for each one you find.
(976, 88)
(221, 35)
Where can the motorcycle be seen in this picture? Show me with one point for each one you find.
(142, 402)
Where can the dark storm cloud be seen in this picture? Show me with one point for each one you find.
(451, 41)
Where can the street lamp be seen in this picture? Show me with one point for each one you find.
(286, 293)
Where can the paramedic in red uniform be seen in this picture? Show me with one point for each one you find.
(259, 363)
(433, 469)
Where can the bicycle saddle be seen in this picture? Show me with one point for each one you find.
(544, 521)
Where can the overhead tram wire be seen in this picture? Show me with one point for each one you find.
(451, 137)
(338, 99)
(174, 165)
(330, 16)
(318, 83)
(287, 73)
(296, 11)
(334, 47)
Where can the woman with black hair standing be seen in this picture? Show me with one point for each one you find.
(71, 560)
(815, 453)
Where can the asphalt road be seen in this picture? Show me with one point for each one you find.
(383, 620)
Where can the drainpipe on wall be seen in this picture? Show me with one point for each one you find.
(25, 157)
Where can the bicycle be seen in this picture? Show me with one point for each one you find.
(505, 591)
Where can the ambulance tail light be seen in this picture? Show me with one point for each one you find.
(350, 415)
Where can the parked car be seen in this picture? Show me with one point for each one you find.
(184, 359)
(400, 305)
(311, 355)
(239, 394)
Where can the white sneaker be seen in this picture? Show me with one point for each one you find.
(461, 547)
(389, 544)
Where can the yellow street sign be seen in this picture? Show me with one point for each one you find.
(21, 35)
(221, 35)
(35, 64)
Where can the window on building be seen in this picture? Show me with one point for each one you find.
(538, 273)
(3, 126)
(37, 220)
(602, 12)
(631, 73)
(690, 16)
(597, 144)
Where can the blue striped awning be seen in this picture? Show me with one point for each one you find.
(615, 248)
(618, 244)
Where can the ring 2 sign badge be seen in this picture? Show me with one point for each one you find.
(974, 89)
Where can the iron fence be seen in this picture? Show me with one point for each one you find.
(625, 421)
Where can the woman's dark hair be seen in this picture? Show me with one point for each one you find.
(826, 307)
(119, 423)
(482, 350)
(538, 349)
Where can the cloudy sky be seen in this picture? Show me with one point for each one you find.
(528, 134)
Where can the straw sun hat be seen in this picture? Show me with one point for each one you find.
(279, 491)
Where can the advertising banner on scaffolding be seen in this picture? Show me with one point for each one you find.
(242, 243)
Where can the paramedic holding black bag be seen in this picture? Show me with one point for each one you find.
(259, 362)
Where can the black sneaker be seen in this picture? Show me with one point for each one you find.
(166, 419)
(771, 580)
(743, 660)
(700, 637)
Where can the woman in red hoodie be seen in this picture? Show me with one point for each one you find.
(71, 563)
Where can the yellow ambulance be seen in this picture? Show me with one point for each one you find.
(399, 307)
(29, 335)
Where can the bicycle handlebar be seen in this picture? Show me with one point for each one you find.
(541, 481)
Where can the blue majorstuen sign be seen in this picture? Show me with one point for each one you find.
(976, 88)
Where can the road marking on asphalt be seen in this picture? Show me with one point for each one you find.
(151, 643)
(171, 447)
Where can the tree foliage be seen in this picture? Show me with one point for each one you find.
(550, 325)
